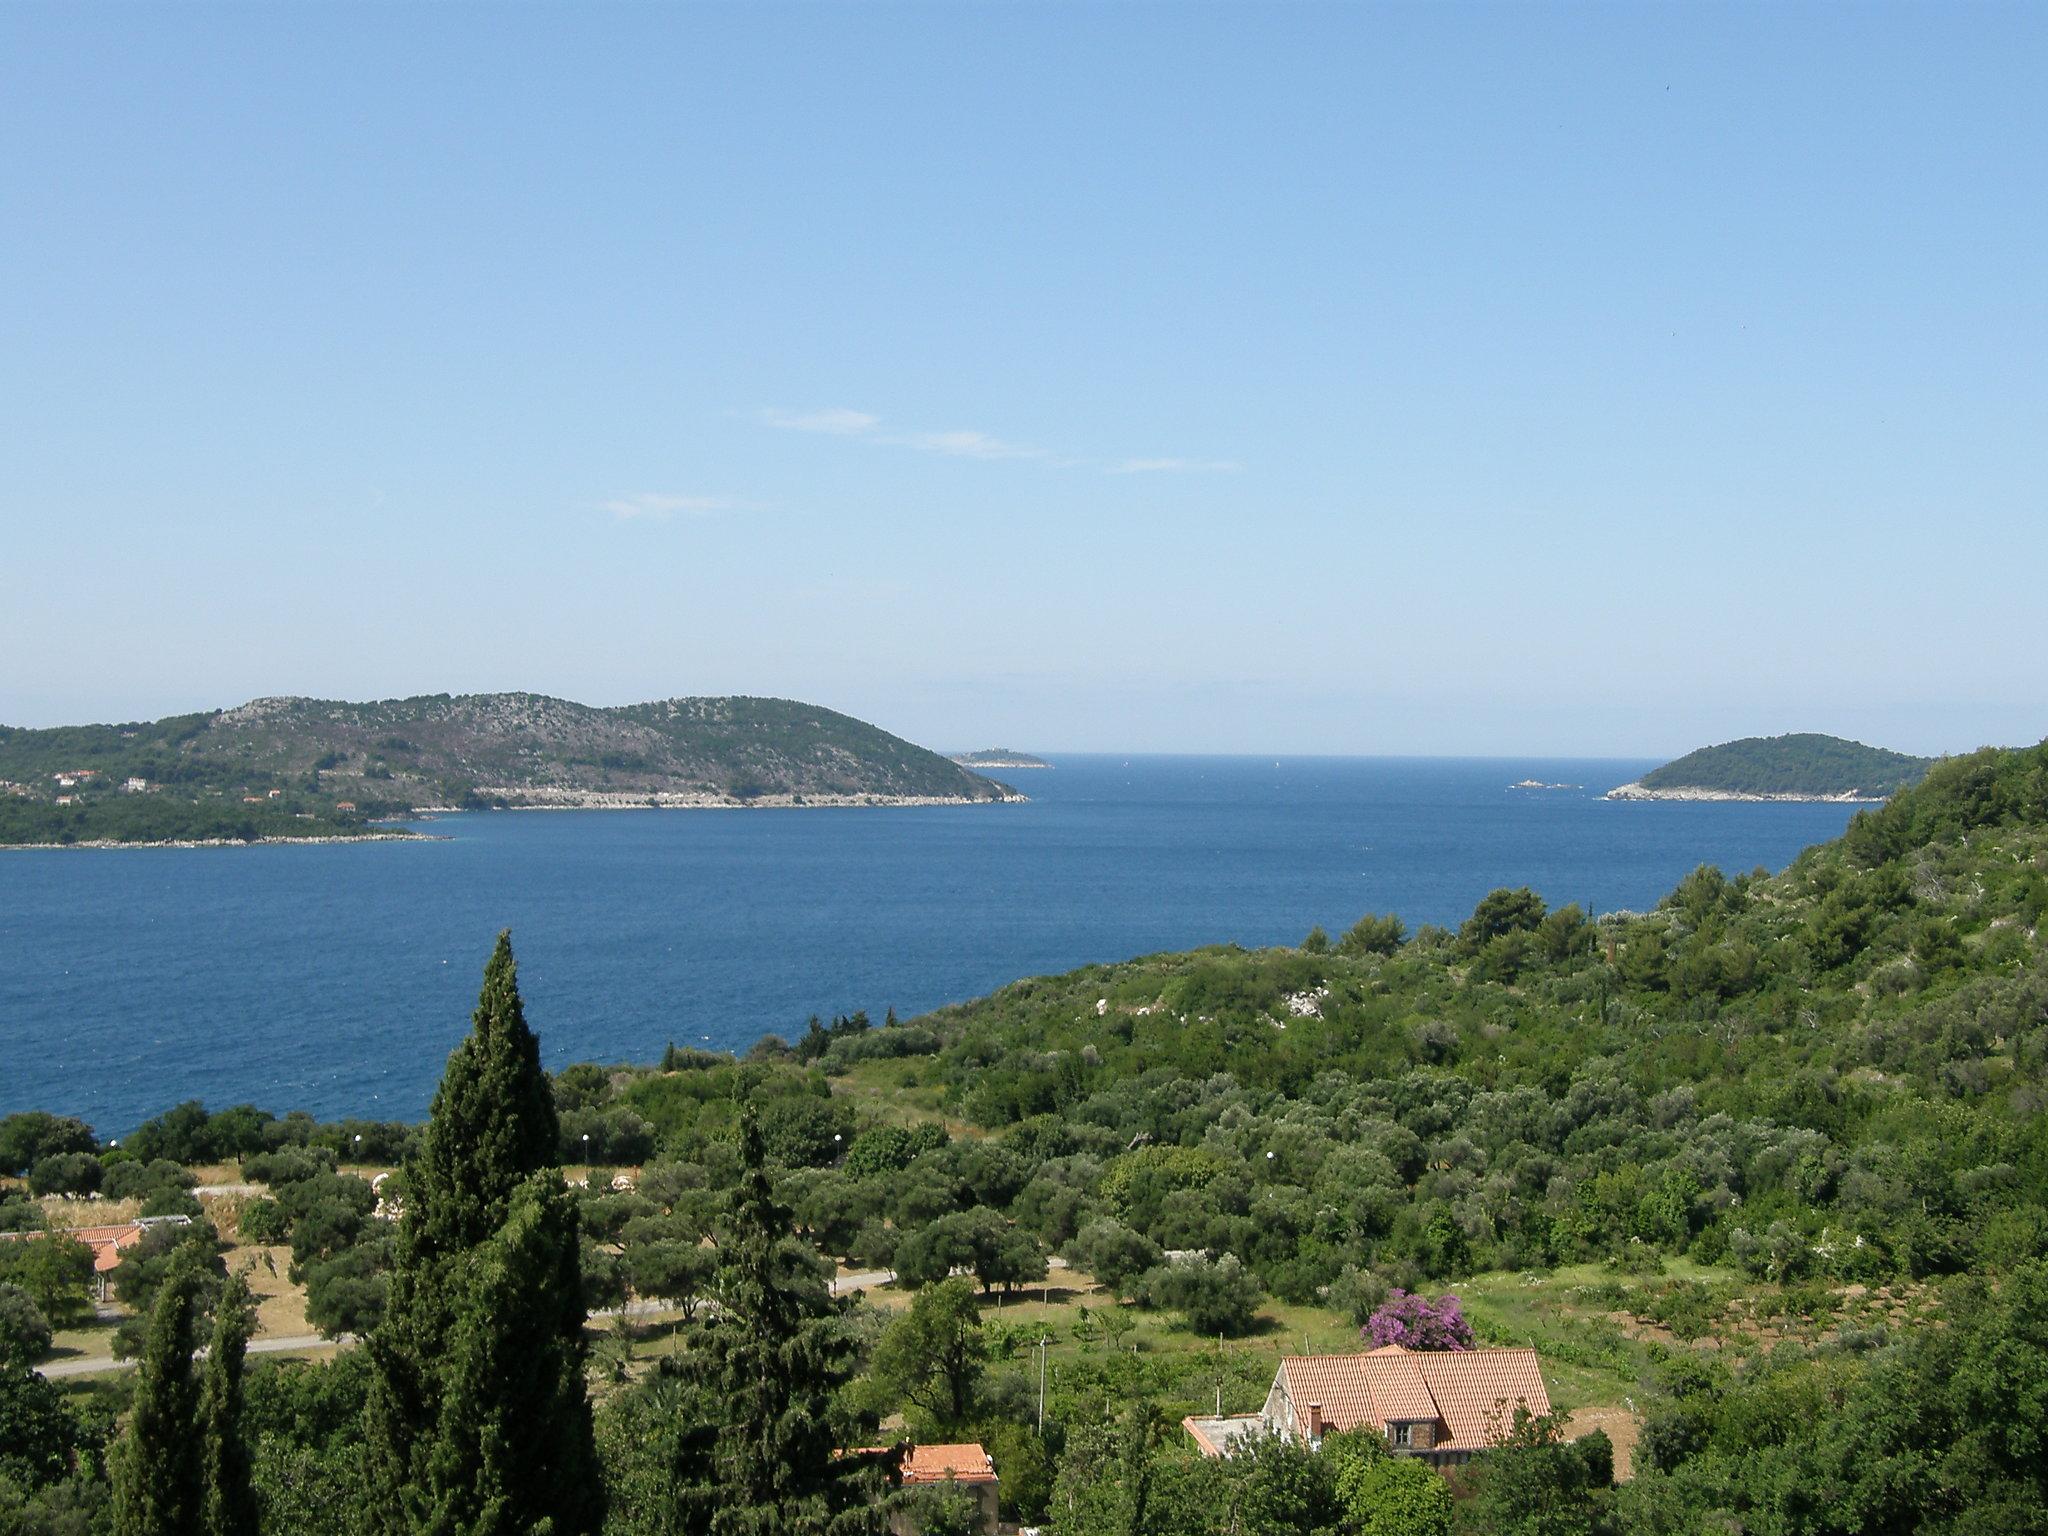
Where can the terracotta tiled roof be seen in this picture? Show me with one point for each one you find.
(1470, 1393)
(1476, 1392)
(1335, 1381)
(106, 1243)
(935, 1463)
(1398, 1388)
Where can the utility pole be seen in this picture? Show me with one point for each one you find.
(1043, 1340)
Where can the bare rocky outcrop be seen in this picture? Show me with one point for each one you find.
(1699, 792)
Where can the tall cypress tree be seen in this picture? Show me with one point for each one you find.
(515, 1438)
(229, 1498)
(156, 1467)
(492, 1124)
(757, 1450)
(466, 1273)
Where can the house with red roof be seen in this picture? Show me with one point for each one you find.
(1440, 1405)
(108, 1244)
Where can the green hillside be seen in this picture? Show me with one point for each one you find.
(1797, 1117)
(1887, 988)
(1801, 764)
(334, 764)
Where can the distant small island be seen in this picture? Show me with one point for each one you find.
(314, 770)
(999, 757)
(1803, 766)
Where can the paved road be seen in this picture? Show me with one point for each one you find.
(99, 1364)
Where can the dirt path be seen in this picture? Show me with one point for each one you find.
(289, 1343)
(1621, 1427)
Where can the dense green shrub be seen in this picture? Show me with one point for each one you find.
(66, 1173)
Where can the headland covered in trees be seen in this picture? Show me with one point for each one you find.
(999, 757)
(292, 769)
(1801, 766)
(1759, 1174)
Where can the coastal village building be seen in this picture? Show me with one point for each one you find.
(1440, 1405)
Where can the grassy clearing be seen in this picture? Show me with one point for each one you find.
(280, 1305)
(92, 1340)
(68, 1213)
(1243, 1367)
(896, 1092)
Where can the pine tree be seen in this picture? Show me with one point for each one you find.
(757, 1450)
(156, 1468)
(229, 1499)
(479, 1358)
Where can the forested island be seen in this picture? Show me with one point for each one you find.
(1760, 1175)
(300, 769)
(1794, 767)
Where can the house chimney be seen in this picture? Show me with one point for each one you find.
(1315, 1421)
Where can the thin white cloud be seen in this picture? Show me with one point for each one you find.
(840, 421)
(1174, 467)
(836, 420)
(967, 445)
(653, 506)
(971, 443)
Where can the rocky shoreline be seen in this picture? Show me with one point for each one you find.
(607, 800)
(1697, 793)
(392, 836)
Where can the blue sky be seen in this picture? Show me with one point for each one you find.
(1456, 379)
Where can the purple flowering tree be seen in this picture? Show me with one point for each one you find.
(1416, 1322)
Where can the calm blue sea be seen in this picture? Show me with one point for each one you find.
(337, 978)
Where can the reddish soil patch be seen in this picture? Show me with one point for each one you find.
(1621, 1428)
